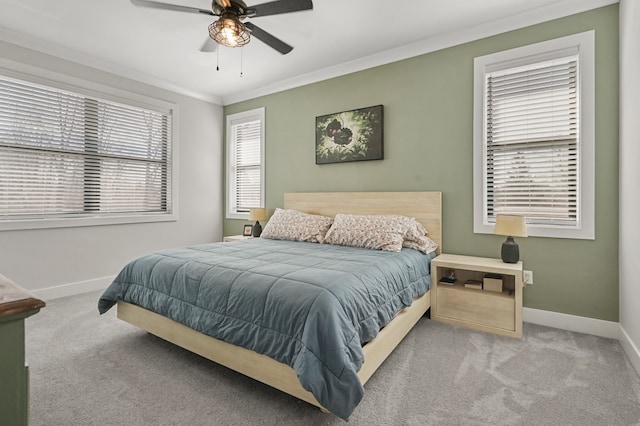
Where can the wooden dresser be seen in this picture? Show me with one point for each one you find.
(16, 304)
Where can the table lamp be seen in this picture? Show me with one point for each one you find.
(511, 226)
(257, 214)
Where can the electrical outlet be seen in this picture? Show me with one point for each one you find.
(527, 277)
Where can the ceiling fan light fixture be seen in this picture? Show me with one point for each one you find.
(229, 31)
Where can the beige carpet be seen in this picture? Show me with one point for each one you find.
(88, 369)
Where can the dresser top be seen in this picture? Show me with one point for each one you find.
(16, 300)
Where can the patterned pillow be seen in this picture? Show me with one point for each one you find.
(378, 232)
(416, 237)
(296, 226)
(425, 245)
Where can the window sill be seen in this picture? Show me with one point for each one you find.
(69, 222)
(585, 233)
(242, 216)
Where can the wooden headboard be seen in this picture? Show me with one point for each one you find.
(426, 207)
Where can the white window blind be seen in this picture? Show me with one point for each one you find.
(245, 162)
(64, 154)
(532, 139)
(247, 165)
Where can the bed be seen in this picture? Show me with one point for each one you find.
(280, 370)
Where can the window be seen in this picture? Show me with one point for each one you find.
(245, 162)
(534, 137)
(70, 159)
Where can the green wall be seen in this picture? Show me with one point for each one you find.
(428, 119)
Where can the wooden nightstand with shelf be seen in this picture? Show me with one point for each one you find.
(494, 312)
(235, 238)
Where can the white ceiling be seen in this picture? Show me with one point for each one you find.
(338, 36)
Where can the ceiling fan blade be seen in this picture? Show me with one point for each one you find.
(167, 6)
(268, 39)
(209, 45)
(280, 6)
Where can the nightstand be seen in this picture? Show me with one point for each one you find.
(497, 312)
(235, 238)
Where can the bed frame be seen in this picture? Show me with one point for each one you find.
(426, 207)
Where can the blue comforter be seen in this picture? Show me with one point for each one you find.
(308, 305)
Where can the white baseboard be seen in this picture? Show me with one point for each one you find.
(576, 323)
(72, 289)
(602, 328)
(630, 349)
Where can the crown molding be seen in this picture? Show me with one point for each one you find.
(64, 53)
(432, 44)
(553, 11)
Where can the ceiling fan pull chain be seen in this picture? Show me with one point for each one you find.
(241, 49)
(217, 59)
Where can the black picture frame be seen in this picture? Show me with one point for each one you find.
(247, 230)
(347, 136)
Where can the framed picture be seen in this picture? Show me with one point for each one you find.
(246, 232)
(347, 136)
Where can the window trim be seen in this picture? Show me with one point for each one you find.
(258, 113)
(584, 43)
(95, 90)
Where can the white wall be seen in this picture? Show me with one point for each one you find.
(629, 178)
(62, 261)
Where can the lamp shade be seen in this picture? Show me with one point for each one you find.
(510, 225)
(257, 214)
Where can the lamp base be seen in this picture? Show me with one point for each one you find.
(257, 229)
(510, 251)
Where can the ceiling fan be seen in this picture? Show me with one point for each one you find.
(230, 29)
